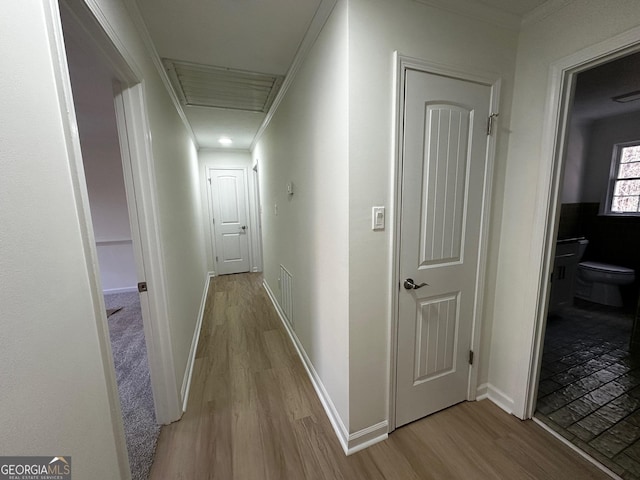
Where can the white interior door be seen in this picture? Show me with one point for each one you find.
(229, 206)
(444, 159)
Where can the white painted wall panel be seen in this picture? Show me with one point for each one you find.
(307, 144)
(53, 376)
(576, 26)
(377, 28)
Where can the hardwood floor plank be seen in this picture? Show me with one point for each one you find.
(254, 414)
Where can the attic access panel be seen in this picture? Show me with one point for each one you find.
(219, 87)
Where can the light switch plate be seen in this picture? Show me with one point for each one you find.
(377, 218)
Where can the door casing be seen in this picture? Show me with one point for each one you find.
(562, 75)
(402, 64)
(251, 234)
(133, 131)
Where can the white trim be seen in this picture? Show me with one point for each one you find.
(368, 436)
(131, 104)
(545, 10)
(138, 20)
(223, 150)
(323, 395)
(477, 11)
(403, 63)
(111, 291)
(250, 209)
(582, 453)
(188, 372)
(495, 395)
(319, 19)
(350, 443)
(53, 25)
(561, 76)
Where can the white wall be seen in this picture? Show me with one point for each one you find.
(220, 158)
(377, 28)
(178, 191)
(95, 113)
(54, 379)
(307, 143)
(578, 25)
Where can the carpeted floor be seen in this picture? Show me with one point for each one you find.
(134, 384)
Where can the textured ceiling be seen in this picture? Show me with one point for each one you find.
(595, 87)
(238, 34)
(517, 7)
(258, 36)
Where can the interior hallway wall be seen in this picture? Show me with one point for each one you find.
(577, 25)
(377, 28)
(306, 143)
(221, 158)
(54, 393)
(95, 113)
(55, 374)
(177, 183)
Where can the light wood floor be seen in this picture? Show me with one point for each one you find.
(253, 414)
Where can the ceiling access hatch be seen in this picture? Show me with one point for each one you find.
(219, 87)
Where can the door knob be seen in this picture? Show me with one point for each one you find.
(244, 227)
(409, 285)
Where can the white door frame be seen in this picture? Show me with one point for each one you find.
(139, 175)
(402, 64)
(251, 208)
(562, 76)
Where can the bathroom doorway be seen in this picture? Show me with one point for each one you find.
(589, 382)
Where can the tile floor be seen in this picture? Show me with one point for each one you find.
(589, 388)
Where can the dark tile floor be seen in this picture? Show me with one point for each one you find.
(589, 388)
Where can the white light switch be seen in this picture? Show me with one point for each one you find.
(377, 218)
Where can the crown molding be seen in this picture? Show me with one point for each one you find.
(545, 10)
(141, 26)
(319, 19)
(477, 11)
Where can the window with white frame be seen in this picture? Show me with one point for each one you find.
(624, 188)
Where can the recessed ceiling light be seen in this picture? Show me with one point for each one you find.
(225, 141)
(627, 97)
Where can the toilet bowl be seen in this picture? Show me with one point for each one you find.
(600, 282)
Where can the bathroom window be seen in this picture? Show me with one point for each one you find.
(624, 189)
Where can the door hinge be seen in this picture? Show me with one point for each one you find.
(490, 123)
(209, 181)
(216, 258)
(470, 357)
(213, 220)
(142, 287)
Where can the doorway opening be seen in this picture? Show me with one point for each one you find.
(444, 160)
(588, 389)
(114, 204)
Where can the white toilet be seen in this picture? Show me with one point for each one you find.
(600, 282)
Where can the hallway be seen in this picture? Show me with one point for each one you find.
(253, 414)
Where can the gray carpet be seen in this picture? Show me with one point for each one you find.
(134, 384)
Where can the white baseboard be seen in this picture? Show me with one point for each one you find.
(368, 436)
(111, 291)
(350, 443)
(486, 390)
(188, 373)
